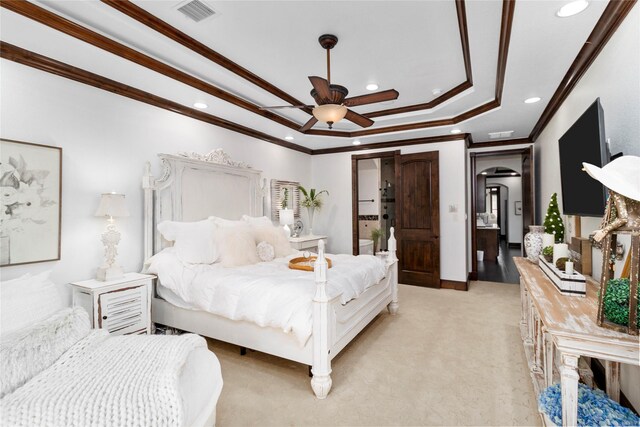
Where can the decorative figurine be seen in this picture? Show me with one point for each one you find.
(622, 215)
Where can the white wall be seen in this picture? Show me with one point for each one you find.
(613, 77)
(334, 220)
(514, 184)
(106, 140)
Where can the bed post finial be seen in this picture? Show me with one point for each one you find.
(321, 369)
(148, 185)
(392, 265)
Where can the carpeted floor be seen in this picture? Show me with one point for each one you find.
(447, 358)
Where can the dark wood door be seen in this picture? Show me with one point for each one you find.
(528, 205)
(418, 219)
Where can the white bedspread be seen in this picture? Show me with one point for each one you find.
(267, 293)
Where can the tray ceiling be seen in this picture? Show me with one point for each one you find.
(415, 47)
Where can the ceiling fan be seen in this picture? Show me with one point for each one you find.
(331, 99)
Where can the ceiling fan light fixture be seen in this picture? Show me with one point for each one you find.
(330, 113)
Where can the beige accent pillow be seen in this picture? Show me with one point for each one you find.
(276, 236)
(237, 246)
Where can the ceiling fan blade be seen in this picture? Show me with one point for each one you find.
(312, 121)
(277, 107)
(358, 119)
(321, 86)
(372, 98)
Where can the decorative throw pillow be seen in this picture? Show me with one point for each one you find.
(27, 300)
(257, 220)
(194, 241)
(276, 236)
(265, 251)
(237, 246)
(29, 351)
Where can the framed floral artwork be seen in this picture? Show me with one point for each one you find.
(30, 184)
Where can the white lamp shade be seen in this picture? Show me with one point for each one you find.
(112, 205)
(286, 216)
(330, 113)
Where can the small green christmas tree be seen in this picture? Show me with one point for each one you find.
(552, 221)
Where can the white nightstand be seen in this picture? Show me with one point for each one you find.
(307, 243)
(122, 306)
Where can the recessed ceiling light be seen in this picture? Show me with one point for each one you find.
(200, 105)
(372, 86)
(532, 100)
(456, 131)
(436, 92)
(572, 8)
(483, 173)
(514, 173)
(288, 138)
(356, 142)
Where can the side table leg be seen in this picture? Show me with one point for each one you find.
(569, 384)
(612, 374)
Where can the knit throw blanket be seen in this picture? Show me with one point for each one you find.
(106, 380)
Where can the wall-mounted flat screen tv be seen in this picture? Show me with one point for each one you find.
(584, 142)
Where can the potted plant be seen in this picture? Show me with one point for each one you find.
(311, 200)
(376, 234)
(547, 253)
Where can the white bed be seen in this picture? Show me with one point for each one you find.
(191, 190)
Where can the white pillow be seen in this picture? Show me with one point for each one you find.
(265, 251)
(225, 223)
(27, 300)
(29, 351)
(237, 246)
(257, 220)
(194, 241)
(276, 236)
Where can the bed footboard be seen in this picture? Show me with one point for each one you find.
(324, 318)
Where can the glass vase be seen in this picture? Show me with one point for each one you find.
(310, 211)
(533, 242)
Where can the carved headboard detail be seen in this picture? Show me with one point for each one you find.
(191, 190)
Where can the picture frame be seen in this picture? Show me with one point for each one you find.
(517, 207)
(31, 199)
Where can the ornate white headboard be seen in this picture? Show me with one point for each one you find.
(192, 190)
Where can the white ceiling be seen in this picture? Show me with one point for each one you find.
(412, 46)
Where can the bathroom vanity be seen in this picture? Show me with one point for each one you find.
(488, 238)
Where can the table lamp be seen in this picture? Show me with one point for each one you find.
(112, 205)
(286, 218)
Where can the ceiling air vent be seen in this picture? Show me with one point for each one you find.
(503, 134)
(196, 10)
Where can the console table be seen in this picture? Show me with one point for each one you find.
(553, 322)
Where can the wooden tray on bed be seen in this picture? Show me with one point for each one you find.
(306, 264)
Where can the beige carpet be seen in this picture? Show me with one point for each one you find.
(447, 358)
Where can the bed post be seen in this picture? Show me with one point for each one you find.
(148, 184)
(321, 381)
(392, 262)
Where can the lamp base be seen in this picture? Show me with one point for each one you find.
(106, 274)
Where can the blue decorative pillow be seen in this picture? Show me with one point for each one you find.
(594, 408)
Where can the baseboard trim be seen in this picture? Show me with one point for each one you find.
(473, 275)
(515, 245)
(453, 284)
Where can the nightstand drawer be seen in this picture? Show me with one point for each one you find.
(122, 312)
(121, 306)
